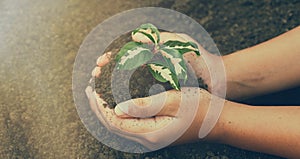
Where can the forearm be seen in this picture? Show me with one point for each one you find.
(273, 130)
(267, 67)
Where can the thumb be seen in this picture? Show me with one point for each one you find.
(140, 107)
(163, 104)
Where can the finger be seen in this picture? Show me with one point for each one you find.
(104, 59)
(101, 112)
(143, 131)
(95, 102)
(88, 91)
(135, 125)
(147, 132)
(96, 71)
(120, 113)
(118, 125)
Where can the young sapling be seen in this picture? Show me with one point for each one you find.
(164, 60)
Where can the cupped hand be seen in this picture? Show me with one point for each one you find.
(166, 118)
(178, 121)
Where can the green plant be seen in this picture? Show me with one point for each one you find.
(165, 61)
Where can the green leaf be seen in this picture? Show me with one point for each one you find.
(156, 75)
(133, 56)
(164, 74)
(150, 31)
(175, 61)
(183, 47)
(128, 46)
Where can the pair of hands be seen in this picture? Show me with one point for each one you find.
(170, 117)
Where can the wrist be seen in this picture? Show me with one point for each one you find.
(231, 81)
(192, 133)
(227, 124)
(216, 80)
(239, 80)
(249, 75)
(212, 118)
(219, 130)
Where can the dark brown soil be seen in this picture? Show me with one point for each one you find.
(140, 81)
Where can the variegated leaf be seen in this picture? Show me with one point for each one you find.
(175, 61)
(150, 31)
(128, 46)
(164, 74)
(134, 57)
(182, 47)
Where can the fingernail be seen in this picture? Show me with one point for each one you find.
(124, 106)
(118, 111)
(121, 113)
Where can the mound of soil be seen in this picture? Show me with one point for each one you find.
(140, 81)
